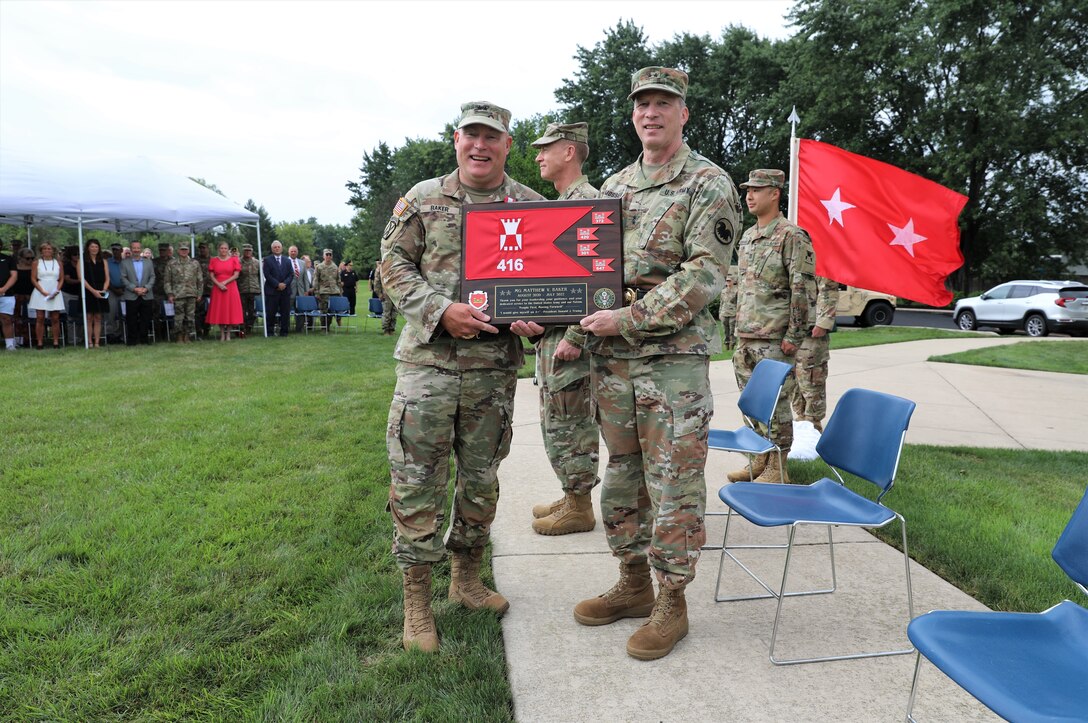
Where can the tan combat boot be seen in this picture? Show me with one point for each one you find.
(631, 597)
(419, 628)
(744, 474)
(466, 587)
(774, 472)
(575, 514)
(668, 624)
(547, 508)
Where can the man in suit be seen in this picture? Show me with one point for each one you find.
(278, 280)
(300, 284)
(138, 277)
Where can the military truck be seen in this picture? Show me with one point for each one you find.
(869, 308)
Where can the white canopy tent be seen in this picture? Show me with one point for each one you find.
(111, 194)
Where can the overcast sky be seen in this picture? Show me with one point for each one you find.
(277, 101)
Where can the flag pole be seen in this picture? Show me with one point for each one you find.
(795, 145)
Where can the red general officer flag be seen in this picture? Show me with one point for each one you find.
(876, 226)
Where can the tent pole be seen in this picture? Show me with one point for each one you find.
(260, 261)
(82, 286)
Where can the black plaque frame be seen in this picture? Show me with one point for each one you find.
(546, 299)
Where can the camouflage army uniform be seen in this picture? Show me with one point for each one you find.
(389, 309)
(451, 394)
(571, 435)
(775, 267)
(249, 287)
(809, 398)
(185, 282)
(727, 308)
(654, 401)
(326, 284)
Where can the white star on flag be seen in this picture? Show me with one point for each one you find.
(835, 206)
(906, 237)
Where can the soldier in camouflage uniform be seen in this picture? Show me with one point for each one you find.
(650, 365)
(389, 309)
(184, 286)
(775, 267)
(456, 375)
(727, 308)
(571, 435)
(326, 284)
(809, 399)
(249, 287)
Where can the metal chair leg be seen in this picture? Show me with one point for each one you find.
(914, 688)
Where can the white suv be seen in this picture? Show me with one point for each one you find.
(1037, 307)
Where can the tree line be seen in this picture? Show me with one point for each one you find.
(987, 97)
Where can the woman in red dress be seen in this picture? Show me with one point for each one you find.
(225, 308)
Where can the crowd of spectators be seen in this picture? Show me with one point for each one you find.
(134, 297)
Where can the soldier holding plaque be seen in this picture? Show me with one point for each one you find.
(571, 435)
(456, 375)
(649, 365)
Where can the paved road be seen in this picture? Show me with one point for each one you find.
(928, 319)
(908, 317)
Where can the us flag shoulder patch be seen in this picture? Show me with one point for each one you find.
(402, 205)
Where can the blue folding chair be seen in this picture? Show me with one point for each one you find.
(756, 403)
(374, 310)
(1022, 666)
(863, 437)
(340, 308)
(307, 306)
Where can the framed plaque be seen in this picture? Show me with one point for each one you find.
(552, 262)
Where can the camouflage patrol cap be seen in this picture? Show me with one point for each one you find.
(762, 177)
(183, 245)
(485, 113)
(574, 132)
(163, 245)
(247, 247)
(668, 80)
(327, 252)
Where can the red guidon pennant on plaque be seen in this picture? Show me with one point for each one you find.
(524, 243)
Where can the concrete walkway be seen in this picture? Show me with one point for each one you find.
(562, 671)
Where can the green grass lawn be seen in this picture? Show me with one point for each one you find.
(1070, 357)
(983, 519)
(200, 532)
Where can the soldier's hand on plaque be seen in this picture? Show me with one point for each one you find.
(601, 323)
(526, 328)
(567, 351)
(461, 321)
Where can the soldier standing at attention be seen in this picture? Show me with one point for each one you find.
(727, 308)
(456, 375)
(809, 400)
(326, 284)
(389, 310)
(775, 267)
(184, 286)
(249, 287)
(650, 361)
(571, 436)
